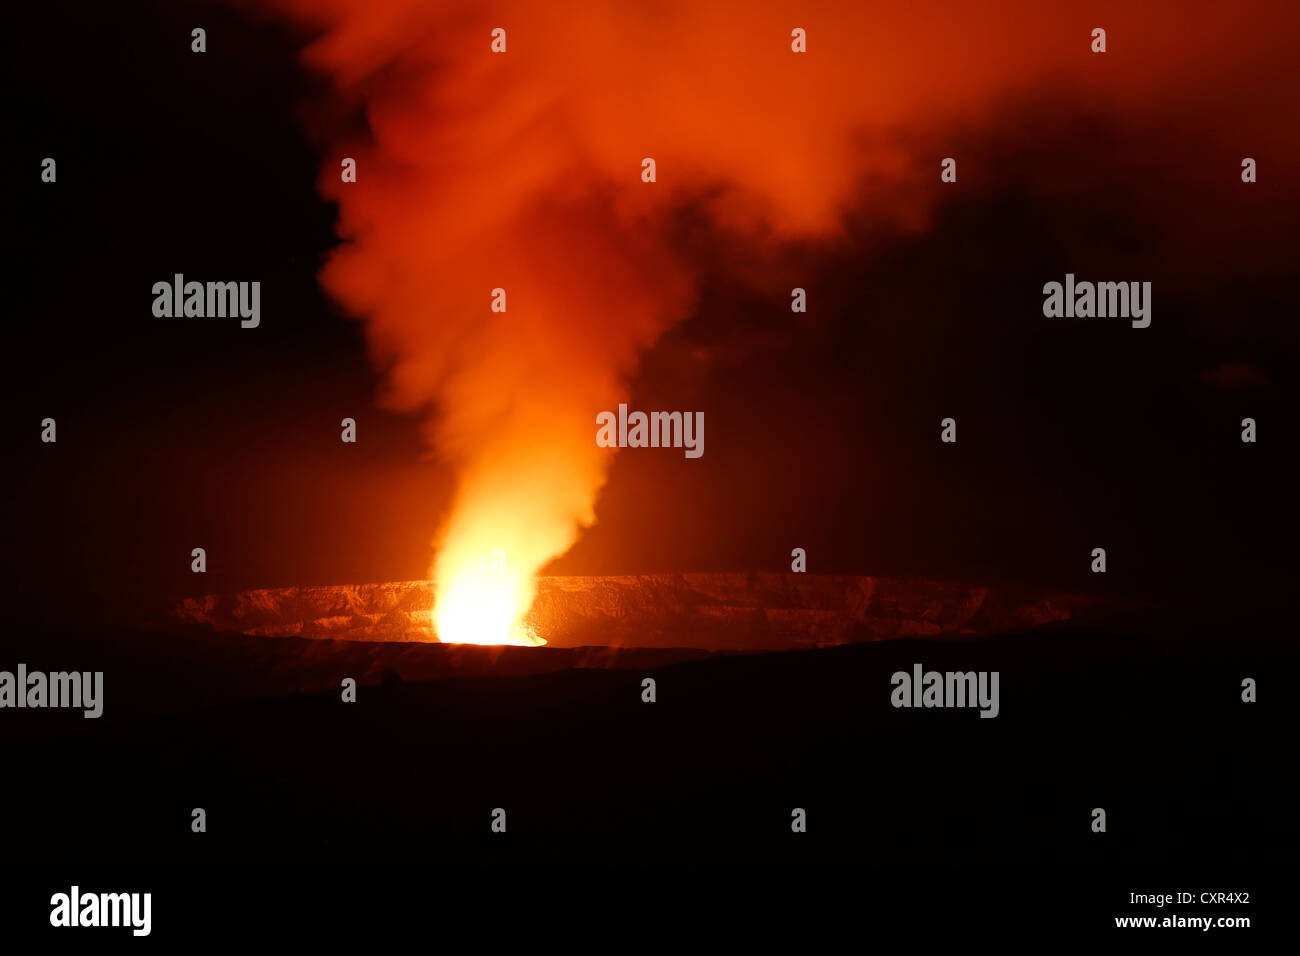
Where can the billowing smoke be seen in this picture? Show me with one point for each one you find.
(522, 171)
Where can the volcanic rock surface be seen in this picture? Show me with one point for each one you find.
(715, 611)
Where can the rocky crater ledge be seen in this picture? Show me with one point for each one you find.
(714, 611)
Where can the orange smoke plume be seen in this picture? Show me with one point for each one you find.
(521, 170)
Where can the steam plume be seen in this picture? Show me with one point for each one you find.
(521, 171)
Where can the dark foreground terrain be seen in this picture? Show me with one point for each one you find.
(327, 818)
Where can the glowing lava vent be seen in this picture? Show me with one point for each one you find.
(484, 604)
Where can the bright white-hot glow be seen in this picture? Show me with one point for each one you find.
(479, 605)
